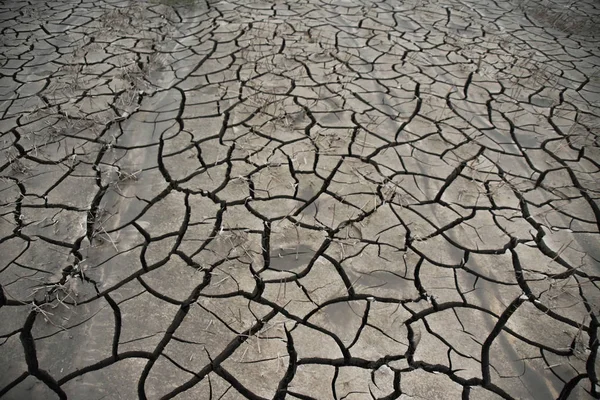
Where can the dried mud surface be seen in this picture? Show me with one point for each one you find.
(299, 199)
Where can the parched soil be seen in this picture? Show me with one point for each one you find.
(308, 199)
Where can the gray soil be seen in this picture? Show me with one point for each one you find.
(299, 199)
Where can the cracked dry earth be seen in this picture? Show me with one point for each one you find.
(299, 199)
